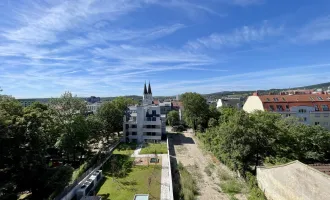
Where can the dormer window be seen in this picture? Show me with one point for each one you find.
(275, 99)
(320, 98)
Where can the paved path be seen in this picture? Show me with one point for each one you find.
(165, 178)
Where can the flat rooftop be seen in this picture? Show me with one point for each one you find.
(141, 197)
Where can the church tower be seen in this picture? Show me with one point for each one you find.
(147, 94)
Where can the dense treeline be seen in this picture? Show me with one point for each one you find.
(41, 145)
(243, 141)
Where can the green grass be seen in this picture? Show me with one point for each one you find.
(231, 186)
(125, 148)
(158, 148)
(188, 184)
(79, 171)
(136, 182)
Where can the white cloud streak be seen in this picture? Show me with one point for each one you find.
(244, 35)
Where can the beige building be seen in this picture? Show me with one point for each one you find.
(312, 109)
(293, 180)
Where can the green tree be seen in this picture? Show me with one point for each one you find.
(122, 103)
(173, 118)
(112, 119)
(195, 110)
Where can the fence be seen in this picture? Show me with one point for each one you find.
(170, 171)
(96, 166)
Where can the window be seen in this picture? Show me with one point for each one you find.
(134, 126)
(127, 133)
(326, 115)
(317, 108)
(154, 119)
(325, 123)
(279, 108)
(325, 108)
(317, 115)
(320, 98)
(288, 115)
(153, 133)
(268, 99)
(271, 107)
(317, 123)
(283, 99)
(287, 107)
(302, 110)
(127, 126)
(153, 112)
(311, 98)
(134, 133)
(275, 99)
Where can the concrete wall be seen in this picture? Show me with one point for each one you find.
(170, 171)
(252, 104)
(293, 181)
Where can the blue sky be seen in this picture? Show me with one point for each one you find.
(109, 48)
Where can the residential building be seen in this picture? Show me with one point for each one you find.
(144, 123)
(93, 99)
(28, 102)
(312, 109)
(165, 107)
(93, 107)
(234, 102)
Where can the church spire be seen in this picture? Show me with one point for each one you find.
(149, 89)
(145, 88)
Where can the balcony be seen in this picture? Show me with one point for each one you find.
(156, 130)
(147, 137)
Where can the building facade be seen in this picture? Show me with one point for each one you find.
(311, 109)
(144, 123)
(93, 107)
(230, 102)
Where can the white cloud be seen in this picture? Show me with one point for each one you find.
(316, 31)
(239, 37)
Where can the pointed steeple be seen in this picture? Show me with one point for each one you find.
(145, 88)
(149, 89)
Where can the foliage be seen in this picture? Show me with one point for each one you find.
(231, 186)
(255, 193)
(196, 110)
(125, 148)
(212, 123)
(173, 118)
(154, 148)
(243, 140)
(188, 184)
(112, 119)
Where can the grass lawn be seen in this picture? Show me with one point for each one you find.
(151, 148)
(125, 148)
(136, 182)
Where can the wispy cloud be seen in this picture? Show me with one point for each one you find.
(237, 38)
(317, 30)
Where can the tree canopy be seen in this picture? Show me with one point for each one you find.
(195, 110)
(173, 118)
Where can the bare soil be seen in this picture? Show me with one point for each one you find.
(195, 160)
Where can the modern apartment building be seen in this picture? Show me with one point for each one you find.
(312, 109)
(144, 123)
(93, 107)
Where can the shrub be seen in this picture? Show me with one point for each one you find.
(223, 175)
(232, 186)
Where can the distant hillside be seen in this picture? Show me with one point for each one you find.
(218, 95)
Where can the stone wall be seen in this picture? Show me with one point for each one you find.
(293, 181)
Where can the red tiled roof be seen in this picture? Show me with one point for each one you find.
(325, 168)
(156, 101)
(295, 100)
(177, 104)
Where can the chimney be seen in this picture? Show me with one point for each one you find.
(256, 93)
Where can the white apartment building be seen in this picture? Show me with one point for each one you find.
(94, 106)
(144, 123)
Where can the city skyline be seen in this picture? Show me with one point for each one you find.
(106, 49)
